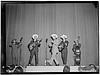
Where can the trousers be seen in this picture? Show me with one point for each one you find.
(31, 57)
(19, 56)
(64, 57)
(15, 58)
(53, 58)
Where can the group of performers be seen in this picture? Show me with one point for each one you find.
(54, 48)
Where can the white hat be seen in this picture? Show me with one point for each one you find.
(54, 36)
(35, 36)
(63, 37)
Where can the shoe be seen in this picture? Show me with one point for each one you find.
(29, 65)
(48, 64)
(57, 64)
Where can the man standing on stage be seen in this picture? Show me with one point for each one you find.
(63, 48)
(77, 52)
(54, 51)
(33, 48)
(19, 51)
(14, 52)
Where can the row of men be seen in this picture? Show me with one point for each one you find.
(54, 46)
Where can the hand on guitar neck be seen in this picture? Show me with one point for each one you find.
(40, 40)
(18, 43)
(32, 46)
(21, 39)
(46, 40)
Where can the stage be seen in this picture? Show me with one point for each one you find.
(49, 69)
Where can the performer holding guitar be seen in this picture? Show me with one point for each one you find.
(77, 52)
(63, 48)
(33, 48)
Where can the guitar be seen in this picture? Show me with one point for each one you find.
(19, 43)
(32, 46)
(40, 40)
(21, 39)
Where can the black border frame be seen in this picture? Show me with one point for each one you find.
(3, 31)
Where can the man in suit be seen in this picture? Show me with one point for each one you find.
(33, 47)
(63, 48)
(14, 52)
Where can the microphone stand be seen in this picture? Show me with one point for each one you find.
(46, 52)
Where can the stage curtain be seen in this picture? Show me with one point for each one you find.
(71, 19)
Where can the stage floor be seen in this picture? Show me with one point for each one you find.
(49, 69)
